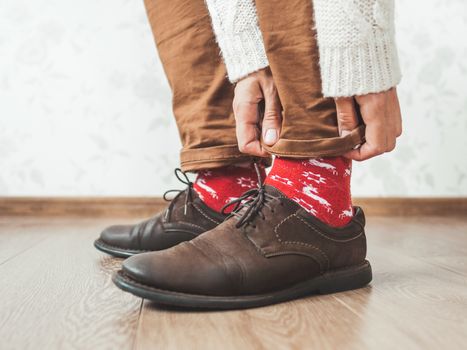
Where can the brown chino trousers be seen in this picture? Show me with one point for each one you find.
(202, 95)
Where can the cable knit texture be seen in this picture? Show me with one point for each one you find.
(235, 24)
(356, 42)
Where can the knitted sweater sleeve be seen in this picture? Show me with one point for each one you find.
(357, 48)
(356, 42)
(235, 24)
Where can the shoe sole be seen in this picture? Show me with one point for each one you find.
(116, 251)
(330, 282)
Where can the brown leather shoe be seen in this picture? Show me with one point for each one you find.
(271, 250)
(185, 218)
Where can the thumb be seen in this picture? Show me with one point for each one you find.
(347, 119)
(272, 118)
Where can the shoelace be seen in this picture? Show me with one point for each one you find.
(250, 203)
(183, 178)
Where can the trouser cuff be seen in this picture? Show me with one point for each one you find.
(215, 157)
(327, 147)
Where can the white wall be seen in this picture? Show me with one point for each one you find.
(85, 107)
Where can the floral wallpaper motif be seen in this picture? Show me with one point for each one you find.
(85, 107)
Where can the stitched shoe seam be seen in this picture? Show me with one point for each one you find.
(172, 230)
(191, 224)
(121, 274)
(128, 250)
(204, 214)
(300, 243)
(249, 240)
(322, 270)
(224, 269)
(243, 273)
(321, 233)
(129, 279)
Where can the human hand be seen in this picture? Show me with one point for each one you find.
(382, 116)
(251, 126)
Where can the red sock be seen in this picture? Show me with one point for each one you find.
(321, 186)
(216, 187)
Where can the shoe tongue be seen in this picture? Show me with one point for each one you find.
(271, 190)
(277, 193)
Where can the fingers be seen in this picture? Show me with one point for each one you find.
(251, 127)
(397, 111)
(347, 118)
(373, 146)
(382, 117)
(248, 140)
(272, 119)
(374, 114)
(245, 106)
(390, 120)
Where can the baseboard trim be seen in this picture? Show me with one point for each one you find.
(80, 206)
(146, 206)
(397, 206)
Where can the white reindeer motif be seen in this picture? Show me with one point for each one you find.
(305, 205)
(246, 182)
(282, 180)
(311, 176)
(310, 191)
(348, 213)
(202, 183)
(348, 172)
(320, 164)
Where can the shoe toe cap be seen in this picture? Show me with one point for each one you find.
(117, 235)
(140, 267)
(179, 269)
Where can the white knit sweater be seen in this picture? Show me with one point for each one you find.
(356, 43)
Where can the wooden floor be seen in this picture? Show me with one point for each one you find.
(56, 293)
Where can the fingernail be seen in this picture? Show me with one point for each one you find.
(344, 133)
(270, 136)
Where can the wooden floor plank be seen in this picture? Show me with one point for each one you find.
(58, 295)
(410, 303)
(19, 236)
(437, 241)
(427, 304)
(313, 323)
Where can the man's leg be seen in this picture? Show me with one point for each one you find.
(282, 243)
(202, 105)
(202, 95)
(309, 128)
(202, 99)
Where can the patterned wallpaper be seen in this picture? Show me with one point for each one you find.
(85, 107)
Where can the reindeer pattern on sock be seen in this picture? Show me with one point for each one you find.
(321, 186)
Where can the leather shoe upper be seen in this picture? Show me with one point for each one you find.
(268, 244)
(185, 218)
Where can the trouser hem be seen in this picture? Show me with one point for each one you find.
(327, 147)
(215, 157)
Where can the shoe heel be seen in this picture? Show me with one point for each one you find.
(350, 278)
